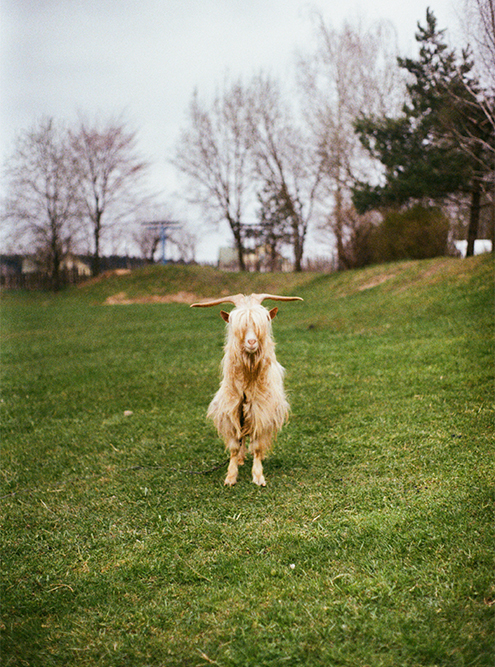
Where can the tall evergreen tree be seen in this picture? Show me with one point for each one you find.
(436, 146)
(276, 222)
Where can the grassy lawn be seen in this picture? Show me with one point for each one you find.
(372, 544)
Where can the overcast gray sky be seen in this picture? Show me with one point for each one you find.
(145, 57)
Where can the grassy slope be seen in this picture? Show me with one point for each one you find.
(380, 490)
(194, 280)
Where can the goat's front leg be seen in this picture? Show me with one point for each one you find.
(242, 453)
(232, 471)
(258, 456)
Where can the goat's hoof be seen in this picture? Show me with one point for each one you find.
(260, 481)
(230, 481)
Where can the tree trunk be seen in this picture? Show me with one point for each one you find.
(96, 268)
(240, 257)
(492, 217)
(56, 261)
(339, 230)
(273, 257)
(474, 217)
(297, 243)
(96, 264)
(298, 260)
(236, 230)
(55, 257)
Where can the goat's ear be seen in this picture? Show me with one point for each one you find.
(273, 312)
(224, 315)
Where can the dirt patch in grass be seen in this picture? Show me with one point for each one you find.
(121, 298)
(375, 282)
(104, 276)
(406, 275)
(368, 278)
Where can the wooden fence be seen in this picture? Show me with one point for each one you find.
(39, 280)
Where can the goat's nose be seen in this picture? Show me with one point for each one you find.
(251, 342)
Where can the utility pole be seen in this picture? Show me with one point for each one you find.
(163, 226)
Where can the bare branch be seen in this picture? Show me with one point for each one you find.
(40, 203)
(214, 155)
(110, 174)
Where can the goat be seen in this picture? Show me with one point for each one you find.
(251, 401)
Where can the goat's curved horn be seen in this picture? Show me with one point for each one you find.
(235, 299)
(261, 297)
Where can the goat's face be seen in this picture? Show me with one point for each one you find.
(249, 327)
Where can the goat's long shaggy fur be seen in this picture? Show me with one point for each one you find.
(251, 402)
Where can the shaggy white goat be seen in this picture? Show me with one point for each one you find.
(251, 401)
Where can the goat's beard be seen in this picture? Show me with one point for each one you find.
(251, 355)
(251, 360)
(248, 364)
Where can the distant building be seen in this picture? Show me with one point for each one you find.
(228, 259)
(30, 265)
(257, 259)
(480, 247)
(10, 263)
(29, 272)
(79, 265)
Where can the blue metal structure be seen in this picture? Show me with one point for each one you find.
(163, 226)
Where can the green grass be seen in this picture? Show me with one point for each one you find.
(372, 544)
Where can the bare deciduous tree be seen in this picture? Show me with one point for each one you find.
(110, 172)
(213, 154)
(185, 241)
(351, 72)
(147, 240)
(479, 24)
(286, 162)
(41, 193)
(478, 141)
